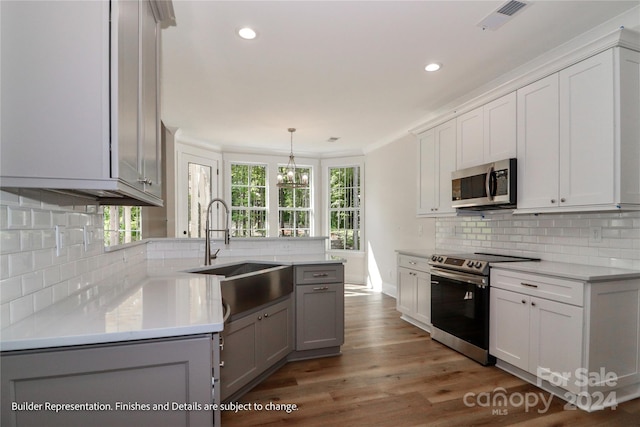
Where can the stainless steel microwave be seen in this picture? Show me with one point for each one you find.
(490, 186)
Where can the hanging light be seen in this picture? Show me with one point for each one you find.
(292, 178)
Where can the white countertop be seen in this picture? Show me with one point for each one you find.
(422, 253)
(153, 299)
(585, 273)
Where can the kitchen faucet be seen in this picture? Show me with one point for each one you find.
(207, 242)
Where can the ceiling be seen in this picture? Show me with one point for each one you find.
(347, 69)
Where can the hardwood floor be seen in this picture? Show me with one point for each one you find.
(392, 374)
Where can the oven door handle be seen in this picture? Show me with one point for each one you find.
(480, 281)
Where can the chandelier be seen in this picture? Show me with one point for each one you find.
(292, 178)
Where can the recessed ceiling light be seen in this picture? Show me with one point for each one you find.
(247, 33)
(432, 67)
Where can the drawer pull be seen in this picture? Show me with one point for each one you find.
(413, 263)
(321, 288)
(524, 302)
(320, 274)
(528, 285)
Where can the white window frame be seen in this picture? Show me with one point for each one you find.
(344, 162)
(267, 194)
(273, 162)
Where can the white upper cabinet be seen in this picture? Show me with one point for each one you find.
(85, 118)
(437, 159)
(578, 138)
(487, 133)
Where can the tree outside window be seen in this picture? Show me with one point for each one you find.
(122, 224)
(344, 208)
(294, 208)
(249, 216)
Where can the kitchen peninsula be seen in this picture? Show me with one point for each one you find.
(148, 325)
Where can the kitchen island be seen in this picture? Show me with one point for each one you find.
(141, 346)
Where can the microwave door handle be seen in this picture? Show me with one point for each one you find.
(489, 188)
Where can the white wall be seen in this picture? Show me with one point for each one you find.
(390, 206)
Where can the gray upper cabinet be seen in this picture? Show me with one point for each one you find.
(80, 98)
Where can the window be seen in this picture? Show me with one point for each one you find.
(122, 224)
(248, 200)
(294, 208)
(344, 208)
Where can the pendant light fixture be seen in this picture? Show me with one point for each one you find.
(292, 178)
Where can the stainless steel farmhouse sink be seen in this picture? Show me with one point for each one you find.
(248, 285)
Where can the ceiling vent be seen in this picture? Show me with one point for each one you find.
(502, 14)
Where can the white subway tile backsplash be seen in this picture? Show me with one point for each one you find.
(560, 237)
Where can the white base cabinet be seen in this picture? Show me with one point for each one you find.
(414, 291)
(577, 340)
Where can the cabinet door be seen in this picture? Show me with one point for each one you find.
(470, 139)
(148, 372)
(125, 132)
(587, 132)
(276, 333)
(239, 355)
(500, 128)
(150, 112)
(538, 143)
(319, 316)
(556, 342)
(427, 173)
(509, 327)
(446, 163)
(407, 284)
(423, 297)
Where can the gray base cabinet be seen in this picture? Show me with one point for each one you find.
(254, 343)
(319, 306)
(123, 381)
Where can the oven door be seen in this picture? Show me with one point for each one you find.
(460, 305)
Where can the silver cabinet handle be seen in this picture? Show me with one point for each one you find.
(266, 315)
(529, 285)
(412, 262)
(321, 288)
(222, 364)
(320, 274)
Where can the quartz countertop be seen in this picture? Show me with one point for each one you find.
(422, 253)
(152, 299)
(585, 273)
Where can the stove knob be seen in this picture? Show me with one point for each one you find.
(434, 258)
(440, 259)
(470, 264)
(478, 264)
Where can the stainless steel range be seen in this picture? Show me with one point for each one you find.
(460, 301)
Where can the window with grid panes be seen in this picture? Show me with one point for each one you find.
(344, 208)
(294, 208)
(249, 214)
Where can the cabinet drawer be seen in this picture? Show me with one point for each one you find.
(551, 288)
(321, 273)
(413, 262)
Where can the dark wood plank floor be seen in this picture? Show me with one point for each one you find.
(392, 374)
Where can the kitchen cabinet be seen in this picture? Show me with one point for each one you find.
(578, 136)
(254, 343)
(436, 161)
(536, 334)
(319, 291)
(487, 133)
(556, 332)
(160, 371)
(414, 291)
(85, 119)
